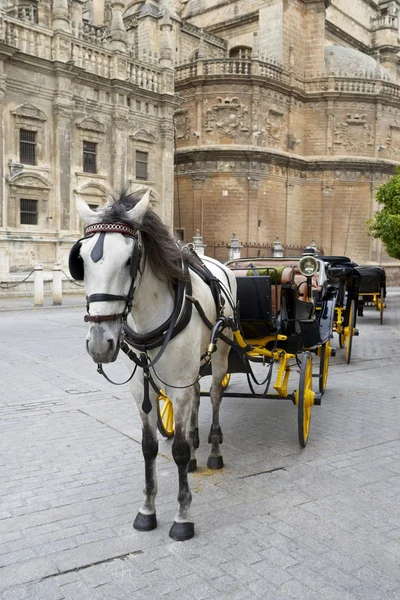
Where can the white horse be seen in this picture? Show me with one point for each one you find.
(132, 267)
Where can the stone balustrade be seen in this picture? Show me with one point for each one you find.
(27, 37)
(91, 59)
(240, 66)
(144, 76)
(88, 52)
(384, 21)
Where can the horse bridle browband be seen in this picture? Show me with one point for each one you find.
(96, 254)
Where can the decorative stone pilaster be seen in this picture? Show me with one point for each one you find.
(119, 140)
(118, 31)
(62, 112)
(167, 159)
(328, 191)
(2, 181)
(61, 16)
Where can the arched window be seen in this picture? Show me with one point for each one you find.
(194, 56)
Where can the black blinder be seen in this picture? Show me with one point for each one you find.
(135, 258)
(75, 262)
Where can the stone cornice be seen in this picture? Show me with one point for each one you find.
(346, 37)
(223, 25)
(311, 163)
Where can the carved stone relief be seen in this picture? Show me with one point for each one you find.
(355, 133)
(228, 116)
(393, 139)
(273, 128)
(182, 124)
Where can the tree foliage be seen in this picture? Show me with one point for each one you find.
(385, 224)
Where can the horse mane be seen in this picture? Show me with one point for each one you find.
(162, 250)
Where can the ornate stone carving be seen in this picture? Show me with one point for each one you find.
(228, 116)
(182, 124)
(354, 134)
(91, 124)
(143, 136)
(273, 127)
(28, 111)
(393, 139)
(29, 180)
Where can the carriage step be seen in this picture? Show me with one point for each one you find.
(356, 332)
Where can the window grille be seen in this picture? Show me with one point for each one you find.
(28, 211)
(89, 157)
(141, 165)
(27, 147)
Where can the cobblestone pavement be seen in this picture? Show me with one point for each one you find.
(276, 523)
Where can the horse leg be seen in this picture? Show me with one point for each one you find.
(182, 528)
(146, 519)
(215, 437)
(194, 440)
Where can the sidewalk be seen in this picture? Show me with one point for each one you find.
(26, 303)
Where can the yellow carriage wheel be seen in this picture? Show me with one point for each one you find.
(165, 421)
(305, 399)
(324, 353)
(350, 331)
(381, 305)
(225, 381)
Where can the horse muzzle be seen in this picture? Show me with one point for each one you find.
(102, 342)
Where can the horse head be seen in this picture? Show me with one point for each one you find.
(108, 265)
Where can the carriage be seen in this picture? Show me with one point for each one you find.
(286, 312)
(343, 275)
(372, 289)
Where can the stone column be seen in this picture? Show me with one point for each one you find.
(328, 190)
(119, 140)
(252, 209)
(167, 161)
(198, 204)
(61, 16)
(3, 200)
(118, 31)
(61, 167)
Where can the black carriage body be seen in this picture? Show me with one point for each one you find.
(268, 308)
(343, 276)
(373, 280)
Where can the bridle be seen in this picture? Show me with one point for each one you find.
(96, 255)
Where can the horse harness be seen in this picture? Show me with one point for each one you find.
(176, 322)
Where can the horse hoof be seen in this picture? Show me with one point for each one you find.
(215, 462)
(180, 532)
(145, 522)
(192, 465)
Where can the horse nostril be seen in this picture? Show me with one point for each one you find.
(111, 344)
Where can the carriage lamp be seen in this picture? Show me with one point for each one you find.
(308, 266)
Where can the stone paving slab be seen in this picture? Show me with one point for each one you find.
(276, 523)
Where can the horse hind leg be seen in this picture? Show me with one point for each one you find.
(146, 519)
(194, 440)
(182, 528)
(215, 437)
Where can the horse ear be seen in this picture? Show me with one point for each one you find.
(137, 212)
(83, 209)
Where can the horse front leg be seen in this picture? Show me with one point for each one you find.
(182, 528)
(194, 440)
(146, 519)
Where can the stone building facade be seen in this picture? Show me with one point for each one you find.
(289, 120)
(283, 115)
(86, 105)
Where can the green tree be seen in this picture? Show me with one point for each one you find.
(385, 224)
